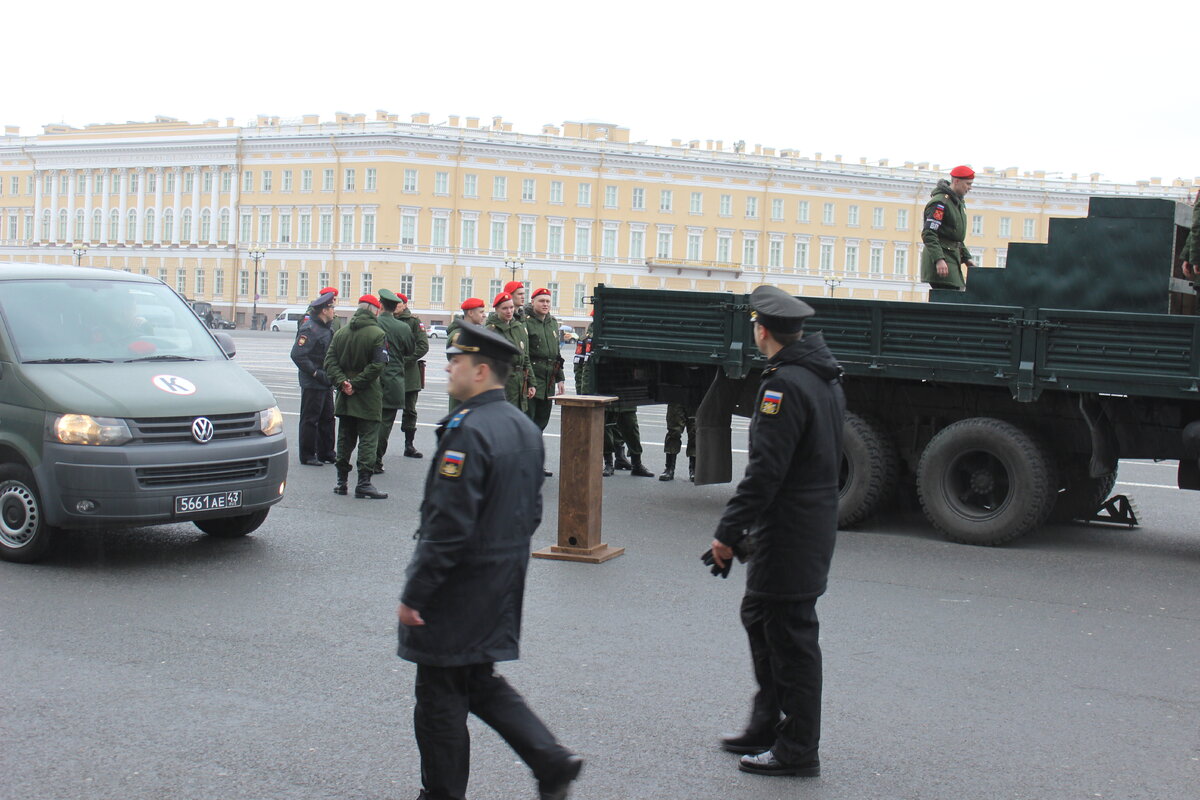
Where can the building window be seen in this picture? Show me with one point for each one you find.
(219, 282)
(285, 228)
(151, 183)
(775, 253)
(902, 219)
(410, 181)
(226, 181)
(585, 194)
(78, 237)
(199, 281)
(470, 186)
(1005, 227)
(665, 199)
(608, 243)
(372, 179)
(802, 211)
(1029, 228)
(610, 196)
(264, 228)
(852, 216)
(637, 245)
(368, 235)
(323, 279)
(326, 228)
(528, 190)
(525, 238)
(827, 214)
(499, 234)
(98, 225)
(696, 203)
(556, 193)
(114, 224)
(466, 288)
(243, 283)
(494, 287)
(62, 224)
(749, 251)
(639, 199)
(286, 186)
(344, 281)
(664, 245)
(726, 206)
(441, 227)
(368, 283)
(441, 183)
(876, 217)
(130, 225)
(469, 234)
(751, 208)
(437, 289)
(350, 179)
(1002, 258)
(347, 228)
(282, 283)
(977, 225)
(695, 244)
(205, 225)
(408, 229)
(876, 265)
(583, 241)
(826, 264)
(245, 229)
(801, 255)
(181, 281)
(554, 239)
(900, 262)
(266, 181)
(553, 287)
(724, 248)
(327, 180)
(301, 284)
(851, 257)
(499, 188)
(306, 180)
(247, 181)
(580, 293)
(133, 184)
(777, 209)
(304, 231)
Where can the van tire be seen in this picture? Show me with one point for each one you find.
(232, 527)
(24, 535)
(985, 481)
(275, 328)
(870, 470)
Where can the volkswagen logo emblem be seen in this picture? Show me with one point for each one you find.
(202, 430)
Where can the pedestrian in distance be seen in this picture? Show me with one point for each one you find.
(316, 439)
(944, 231)
(460, 610)
(354, 363)
(783, 519)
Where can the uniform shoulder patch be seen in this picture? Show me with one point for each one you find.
(771, 402)
(939, 212)
(452, 464)
(457, 419)
(303, 340)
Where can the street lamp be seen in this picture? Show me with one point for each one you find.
(79, 251)
(256, 256)
(833, 283)
(513, 265)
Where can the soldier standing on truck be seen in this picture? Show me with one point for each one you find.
(786, 507)
(1191, 248)
(944, 230)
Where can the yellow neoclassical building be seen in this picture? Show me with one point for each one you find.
(449, 210)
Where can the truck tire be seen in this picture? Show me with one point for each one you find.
(1081, 494)
(870, 469)
(232, 527)
(24, 535)
(985, 481)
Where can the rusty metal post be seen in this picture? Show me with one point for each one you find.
(580, 483)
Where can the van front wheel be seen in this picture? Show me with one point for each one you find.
(232, 527)
(24, 535)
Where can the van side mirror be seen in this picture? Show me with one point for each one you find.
(226, 342)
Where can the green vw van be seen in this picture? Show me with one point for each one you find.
(119, 408)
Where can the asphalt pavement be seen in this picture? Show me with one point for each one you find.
(159, 663)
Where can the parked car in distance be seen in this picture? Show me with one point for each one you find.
(220, 323)
(289, 319)
(435, 331)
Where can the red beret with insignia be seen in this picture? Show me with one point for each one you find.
(471, 302)
(503, 297)
(329, 289)
(513, 286)
(963, 172)
(543, 290)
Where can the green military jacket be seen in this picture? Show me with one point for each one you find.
(518, 379)
(358, 353)
(543, 353)
(412, 373)
(1191, 248)
(943, 232)
(400, 346)
(584, 384)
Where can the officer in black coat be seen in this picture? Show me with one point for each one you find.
(316, 394)
(787, 505)
(460, 611)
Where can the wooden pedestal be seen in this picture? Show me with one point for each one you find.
(580, 483)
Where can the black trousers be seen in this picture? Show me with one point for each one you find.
(444, 697)
(316, 424)
(787, 665)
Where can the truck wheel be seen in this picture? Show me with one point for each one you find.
(870, 469)
(232, 527)
(24, 535)
(1081, 494)
(985, 481)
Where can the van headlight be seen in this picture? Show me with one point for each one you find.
(86, 429)
(270, 421)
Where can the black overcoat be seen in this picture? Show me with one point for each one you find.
(788, 499)
(483, 501)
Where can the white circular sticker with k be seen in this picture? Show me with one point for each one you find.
(173, 384)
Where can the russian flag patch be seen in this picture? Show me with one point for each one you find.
(452, 464)
(771, 401)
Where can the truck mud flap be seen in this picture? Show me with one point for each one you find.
(714, 451)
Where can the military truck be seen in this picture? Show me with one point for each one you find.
(1004, 406)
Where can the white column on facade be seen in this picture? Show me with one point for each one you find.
(140, 231)
(89, 186)
(214, 205)
(156, 234)
(122, 203)
(195, 205)
(52, 234)
(72, 176)
(177, 205)
(38, 233)
(234, 212)
(104, 182)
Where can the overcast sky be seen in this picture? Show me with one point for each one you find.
(1056, 86)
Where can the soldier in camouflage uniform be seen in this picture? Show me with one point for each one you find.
(414, 375)
(943, 232)
(519, 387)
(544, 357)
(395, 388)
(1191, 248)
(474, 312)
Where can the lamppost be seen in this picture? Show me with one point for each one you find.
(513, 265)
(256, 256)
(833, 283)
(79, 252)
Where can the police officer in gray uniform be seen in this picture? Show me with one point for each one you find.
(316, 392)
(786, 505)
(460, 611)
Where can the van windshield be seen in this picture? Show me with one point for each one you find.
(101, 320)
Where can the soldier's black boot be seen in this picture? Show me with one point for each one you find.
(692, 469)
(619, 460)
(340, 487)
(638, 469)
(608, 465)
(668, 473)
(364, 489)
(409, 450)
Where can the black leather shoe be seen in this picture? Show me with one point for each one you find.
(365, 491)
(743, 743)
(638, 470)
(412, 452)
(767, 764)
(620, 462)
(329, 459)
(312, 462)
(559, 788)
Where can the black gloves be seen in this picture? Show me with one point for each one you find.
(710, 561)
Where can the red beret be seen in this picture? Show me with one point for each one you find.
(329, 289)
(403, 297)
(963, 172)
(513, 286)
(370, 298)
(503, 297)
(471, 302)
(543, 290)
